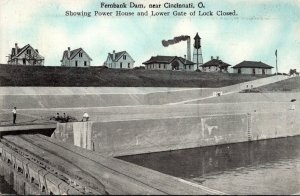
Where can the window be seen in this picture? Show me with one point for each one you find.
(128, 65)
(85, 64)
(28, 51)
(124, 57)
(253, 71)
(184, 66)
(159, 66)
(189, 67)
(121, 65)
(80, 54)
(164, 66)
(24, 61)
(76, 63)
(239, 71)
(263, 72)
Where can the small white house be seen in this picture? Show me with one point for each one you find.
(119, 60)
(75, 58)
(25, 56)
(215, 65)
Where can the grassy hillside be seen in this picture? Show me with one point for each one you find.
(289, 85)
(13, 75)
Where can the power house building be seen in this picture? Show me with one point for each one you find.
(252, 67)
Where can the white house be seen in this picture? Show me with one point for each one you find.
(119, 60)
(169, 63)
(215, 65)
(25, 56)
(252, 67)
(75, 58)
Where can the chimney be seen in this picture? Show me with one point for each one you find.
(188, 51)
(217, 57)
(69, 52)
(16, 48)
(212, 57)
(114, 55)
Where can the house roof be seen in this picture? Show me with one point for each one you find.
(118, 55)
(252, 64)
(167, 60)
(215, 62)
(20, 51)
(73, 53)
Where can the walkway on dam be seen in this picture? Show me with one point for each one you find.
(228, 90)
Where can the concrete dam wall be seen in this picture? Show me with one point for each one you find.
(70, 97)
(118, 138)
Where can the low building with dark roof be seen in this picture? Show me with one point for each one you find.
(252, 67)
(215, 65)
(75, 58)
(119, 60)
(169, 63)
(26, 55)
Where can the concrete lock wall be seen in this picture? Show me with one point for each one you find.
(274, 125)
(69, 101)
(68, 97)
(28, 178)
(153, 135)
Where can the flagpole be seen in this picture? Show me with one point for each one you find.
(276, 66)
(276, 63)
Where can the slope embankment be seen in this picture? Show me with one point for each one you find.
(16, 75)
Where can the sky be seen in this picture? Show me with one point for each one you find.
(260, 28)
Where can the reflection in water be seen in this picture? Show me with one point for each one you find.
(261, 167)
(5, 188)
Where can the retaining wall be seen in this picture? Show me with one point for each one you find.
(120, 138)
(28, 178)
(68, 97)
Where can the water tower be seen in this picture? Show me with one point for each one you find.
(197, 54)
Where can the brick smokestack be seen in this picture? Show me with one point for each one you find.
(114, 55)
(69, 52)
(16, 48)
(188, 51)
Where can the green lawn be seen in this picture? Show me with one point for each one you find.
(13, 75)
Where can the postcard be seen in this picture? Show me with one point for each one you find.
(149, 97)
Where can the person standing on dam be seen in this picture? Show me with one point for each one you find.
(293, 106)
(14, 111)
(85, 116)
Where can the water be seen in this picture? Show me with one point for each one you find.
(5, 188)
(262, 167)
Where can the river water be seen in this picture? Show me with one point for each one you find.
(261, 167)
(5, 188)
